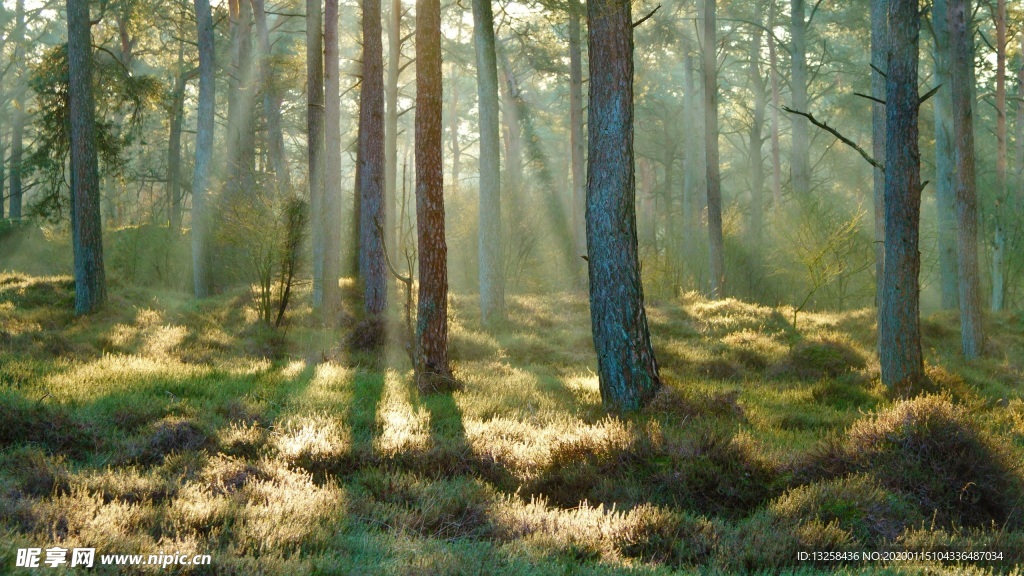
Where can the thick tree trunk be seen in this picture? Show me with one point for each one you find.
(576, 142)
(492, 266)
(18, 116)
(961, 63)
(716, 242)
(800, 163)
(627, 370)
(372, 267)
(432, 309)
(756, 140)
(204, 151)
(879, 62)
(899, 319)
(315, 138)
(999, 232)
(945, 198)
(332, 161)
(271, 101)
(86, 224)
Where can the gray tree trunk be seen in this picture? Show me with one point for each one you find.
(18, 115)
(627, 370)
(577, 144)
(879, 62)
(800, 163)
(776, 149)
(174, 146)
(492, 265)
(716, 242)
(372, 267)
(391, 124)
(756, 140)
(86, 223)
(693, 161)
(945, 198)
(961, 63)
(899, 327)
(315, 139)
(999, 232)
(332, 161)
(271, 101)
(204, 151)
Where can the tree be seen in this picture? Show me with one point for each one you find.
(204, 151)
(18, 124)
(899, 327)
(879, 61)
(372, 268)
(945, 200)
(756, 140)
(86, 224)
(627, 370)
(576, 143)
(999, 232)
(800, 164)
(492, 266)
(433, 371)
(716, 243)
(315, 139)
(271, 102)
(332, 161)
(960, 64)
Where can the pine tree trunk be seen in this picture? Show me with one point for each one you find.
(332, 161)
(945, 202)
(756, 140)
(776, 149)
(800, 163)
(391, 125)
(174, 148)
(86, 224)
(372, 268)
(241, 124)
(961, 63)
(492, 269)
(432, 309)
(315, 138)
(716, 242)
(576, 141)
(18, 116)
(693, 161)
(204, 151)
(627, 370)
(999, 233)
(271, 101)
(513, 131)
(899, 319)
(879, 62)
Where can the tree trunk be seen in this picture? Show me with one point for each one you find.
(391, 125)
(241, 125)
(18, 116)
(961, 63)
(776, 150)
(453, 127)
(204, 151)
(879, 62)
(513, 131)
(800, 163)
(716, 242)
(899, 319)
(271, 102)
(627, 370)
(372, 268)
(945, 198)
(86, 224)
(174, 147)
(432, 308)
(315, 135)
(332, 162)
(693, 159)
(1019, 201)
(756, 140)
(576, 142)
(999, 233)
(492, 265)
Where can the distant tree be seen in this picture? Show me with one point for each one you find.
(332, 161)
(241, 128)
(315, 138)
(716, 242)
(960, 75)
(627, 371)
(271, 101)
(431, 348)
(86, 223)
(899, 319)
(492, 266)
(756, 140)
(18, 114)
(204, 151)
(800, 164)
(879, 61)
(372, 268)
(576, 141)
(999, 211)
(945, 197)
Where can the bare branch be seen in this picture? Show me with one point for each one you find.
(824, 126)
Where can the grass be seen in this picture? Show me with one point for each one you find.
(166, 424)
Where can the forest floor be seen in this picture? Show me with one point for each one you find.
(166, 425)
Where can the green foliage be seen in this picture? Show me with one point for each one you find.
(149, 256)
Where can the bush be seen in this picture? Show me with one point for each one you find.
(150, 256)
(818, 359)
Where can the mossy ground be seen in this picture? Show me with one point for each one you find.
(167, 424)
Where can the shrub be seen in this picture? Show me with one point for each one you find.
(817, 359)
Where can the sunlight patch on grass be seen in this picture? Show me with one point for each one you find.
(310, 440)
(403, 427)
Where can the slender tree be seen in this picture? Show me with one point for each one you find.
(776, 148)
(960, 65)
(431, 352)
(899, 319)
(756, 140)
(271, 101)
(18, 115)
(315, 138)
(332, 160)
(800, 163)
(576, 143)
(492, 281)
(372, 267)
(627, 370)
(944, 195)
(999, 228)
(716, 242)
(86, 223)
(395, 42)
(204, 151)
(879, 62)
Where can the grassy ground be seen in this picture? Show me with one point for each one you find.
(162, 424)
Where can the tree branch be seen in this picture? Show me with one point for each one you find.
(824, 126)
(645, 18)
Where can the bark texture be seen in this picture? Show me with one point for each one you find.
(716, 241)
(627, 370)
(945, 197)
(204, 152)
(372, 267)
(315, 143)
(332, 160)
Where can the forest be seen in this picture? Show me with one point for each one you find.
(542, 287)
